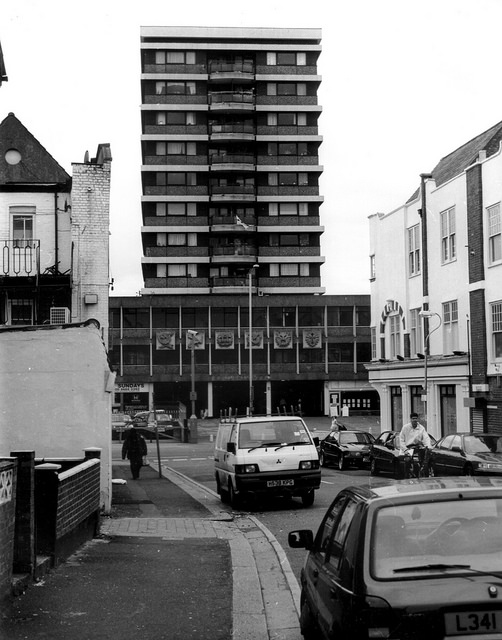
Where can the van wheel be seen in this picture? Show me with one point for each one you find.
(233, 498)
(308, 498)
(221, 492)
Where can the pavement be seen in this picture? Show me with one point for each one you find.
(171, 562)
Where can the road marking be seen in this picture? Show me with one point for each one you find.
(185, 459)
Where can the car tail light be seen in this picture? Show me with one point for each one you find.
(377, 617)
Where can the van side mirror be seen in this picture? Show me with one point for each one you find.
(231, 447)
(316, 441)
(301, 539)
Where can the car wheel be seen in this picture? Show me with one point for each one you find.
(322, 459)
(341, 462)
(468, 470)
(373, 467)
(308, 498)
(308, 625)
(233, 498)
(432, 470)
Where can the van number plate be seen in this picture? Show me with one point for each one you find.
(472, 623)
(280, 483)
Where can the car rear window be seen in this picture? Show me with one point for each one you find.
(436, 538)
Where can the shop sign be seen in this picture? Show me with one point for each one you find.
(130, 387)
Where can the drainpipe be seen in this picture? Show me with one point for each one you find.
(425, 257)
(56, 234)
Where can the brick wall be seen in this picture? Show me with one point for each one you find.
(67, 506)
(90, 236)
(478, 336)
(8, 472)
(78, 496)
(24, 543)
(474, 185)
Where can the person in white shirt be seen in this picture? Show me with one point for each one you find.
(415, 434)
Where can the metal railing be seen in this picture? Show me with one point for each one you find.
(20, 258)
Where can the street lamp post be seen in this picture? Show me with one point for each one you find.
(250, 338)
(193, 395)
(426, 315)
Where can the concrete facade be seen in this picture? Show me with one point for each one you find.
(230, 148)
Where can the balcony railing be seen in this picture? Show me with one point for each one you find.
(237, 190)
(220, 99)
(231, 129)
(238, 223)
(229, 281)
(20, 258)
(234, 251)
(222, 161)
(231, 67)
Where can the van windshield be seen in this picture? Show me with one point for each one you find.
(273, 432)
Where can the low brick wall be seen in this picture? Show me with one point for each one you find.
(67, 506)
(8, 474)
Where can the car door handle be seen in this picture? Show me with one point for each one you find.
(315, 573)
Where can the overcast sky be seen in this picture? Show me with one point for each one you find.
(403, 84)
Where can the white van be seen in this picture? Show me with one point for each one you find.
(261, 456)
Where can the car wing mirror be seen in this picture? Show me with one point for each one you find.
(231, 447)
(316, 441)
(457, 449)
(301, 539)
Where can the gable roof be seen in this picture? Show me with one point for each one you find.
(36, 166)
(457, 161)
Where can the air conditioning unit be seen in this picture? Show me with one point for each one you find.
(59, 315)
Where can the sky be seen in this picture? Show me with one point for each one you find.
(403, 84)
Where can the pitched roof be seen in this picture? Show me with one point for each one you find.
(457, 161)
(30, 163)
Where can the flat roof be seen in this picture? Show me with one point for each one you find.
(232, 33)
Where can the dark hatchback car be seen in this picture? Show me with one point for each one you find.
(409, 560)
(385, 455)
(468, 454)
(346, 447)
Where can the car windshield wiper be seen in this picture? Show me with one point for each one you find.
(443, 567)
(264, 445)
(438, 566)
(291, 444)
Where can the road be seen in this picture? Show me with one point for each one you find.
(280, 516)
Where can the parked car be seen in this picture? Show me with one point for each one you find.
(407, 559)
(346, 447)
(386, 456)
(467, 454)
(152, 419)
